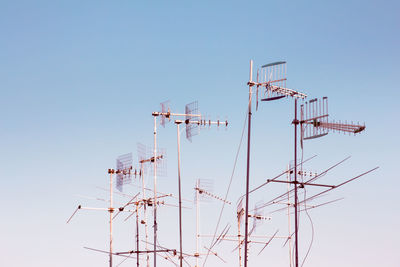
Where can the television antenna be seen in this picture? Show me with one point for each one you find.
(314, 121)
(156, 156)
(314, 114)
(192, 120)
(165, 115)
(272, 78)
(203, 192)
(124, 170)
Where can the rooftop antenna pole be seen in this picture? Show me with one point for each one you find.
(250, 83)
(145, 155)
(111, 210)
(295, 123)
(145, 214)
(155, 189)
(180, 198)
(273, 79)
(288, 214)
(191, 124)
(197, 224)
(137, 232)
(192, 121)
(314, 123)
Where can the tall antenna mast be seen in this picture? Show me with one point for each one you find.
(155, 191)
(141, 157)
(154, 158)
(288, 215)
(192, 121)
(314, 114)
(272, 78)
(124, 172)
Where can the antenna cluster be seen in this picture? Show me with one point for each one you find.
(269, 85)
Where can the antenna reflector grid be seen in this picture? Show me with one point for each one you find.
(146, 155)
(314, 116)
(192, 129)
(124, 170)
(164, 112)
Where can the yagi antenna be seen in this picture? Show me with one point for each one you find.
(314, 120)
(272, 78)
(204, 191)
(203, 184)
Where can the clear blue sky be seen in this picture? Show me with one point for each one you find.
(79, 80)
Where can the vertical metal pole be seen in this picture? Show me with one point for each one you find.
(248, 169)
(197, 223)
(155, 191)
(145, 215)
(295, 122)
(111, 211)
(240, 244)
(137, 233)
(288, 214)
(180, 200)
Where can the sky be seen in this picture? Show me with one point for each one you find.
(78, 83)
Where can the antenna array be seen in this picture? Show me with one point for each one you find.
(314, 120)
(124, 170)
(145, 155)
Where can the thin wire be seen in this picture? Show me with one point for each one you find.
(229, 186)
(312, 228)
(306, 210)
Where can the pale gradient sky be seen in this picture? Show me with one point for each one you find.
(79, 80)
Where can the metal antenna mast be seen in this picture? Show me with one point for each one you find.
(192, 121)
(272, 78)
(123, 171)
(314, 124)
(157, 159)
(141, 157)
